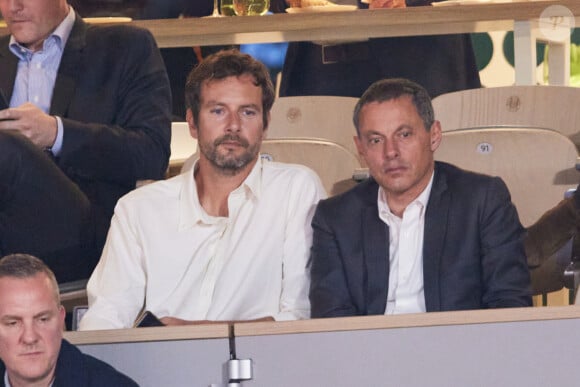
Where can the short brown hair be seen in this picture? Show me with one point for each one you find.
(224, 64)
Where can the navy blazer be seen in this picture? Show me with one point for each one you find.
(473, 255)
(75, 369)
(112, 93)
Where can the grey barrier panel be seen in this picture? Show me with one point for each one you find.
(180, 363)
(534, 353)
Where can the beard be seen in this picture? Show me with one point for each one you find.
(225, 161)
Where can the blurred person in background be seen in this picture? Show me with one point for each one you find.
(440, 63)
(88, 115)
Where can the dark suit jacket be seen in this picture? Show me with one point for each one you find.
(439, 63)
(75, 369)
(473, 255)
(113, 95)
(551, 242)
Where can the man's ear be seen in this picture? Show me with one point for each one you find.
(436, 135)
(61, 316)
(191, 123)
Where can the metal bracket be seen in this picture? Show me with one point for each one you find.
(239, 370)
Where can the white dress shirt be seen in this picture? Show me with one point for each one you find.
(165, 254)
(406, 290)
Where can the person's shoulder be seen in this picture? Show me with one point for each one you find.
(119, 37)
(157, 191)
(87, 370)
(120, 30)
(457, 176)
(362, 195)
(467, 183)
(103, 374)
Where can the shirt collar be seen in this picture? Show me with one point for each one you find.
(191, 211)
(7, 380)
(421, 200)
(60, 36)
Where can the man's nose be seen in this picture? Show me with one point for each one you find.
(29, 333)
(14, 6)
(391, 149)
(234, 123)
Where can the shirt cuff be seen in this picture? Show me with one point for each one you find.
(298, 314)
(57, 146)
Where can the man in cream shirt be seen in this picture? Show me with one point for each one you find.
(228, 241)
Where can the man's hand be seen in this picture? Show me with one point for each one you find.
(32, 122)
(387, 4)
(177, 321)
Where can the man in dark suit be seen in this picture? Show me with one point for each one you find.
(440, 63)
(89, 116)
(32, 350)
(419, 235)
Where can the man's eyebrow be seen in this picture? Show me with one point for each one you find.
(251, 105)
(10, 317)
(49, 312)
(212, 102)
(373, 132)
(403, 127)
(18, 317)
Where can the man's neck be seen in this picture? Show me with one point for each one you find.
(398, 202)
(214, 186)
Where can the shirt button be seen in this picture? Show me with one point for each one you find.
(35, 99)
(38, 66)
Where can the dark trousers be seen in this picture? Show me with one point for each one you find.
(42, 212)
(441, 64)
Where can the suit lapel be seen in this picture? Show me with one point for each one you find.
(434, 239)
(69, 69)
(8, 67)
(376, 255)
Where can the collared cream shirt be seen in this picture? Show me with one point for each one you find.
(165, 254)
(406, 290)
